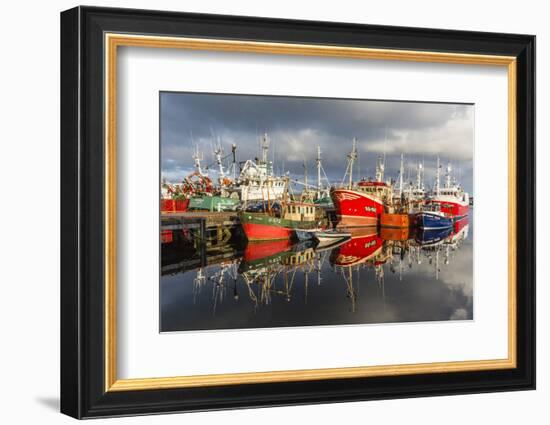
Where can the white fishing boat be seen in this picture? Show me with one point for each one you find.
(257, 181)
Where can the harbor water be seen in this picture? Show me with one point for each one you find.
(377, 276)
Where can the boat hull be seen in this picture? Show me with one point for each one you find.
(263, 227)
(356, 209)
(174, 205)
(428, 220)
(363, 245)
(431, 237)
(213, 204)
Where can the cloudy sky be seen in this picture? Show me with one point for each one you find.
(295, 126)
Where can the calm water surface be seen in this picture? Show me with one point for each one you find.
(378, 276)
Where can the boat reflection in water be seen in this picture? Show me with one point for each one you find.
(375, 276)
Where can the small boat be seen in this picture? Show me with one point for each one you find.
(331, 235)
(328, 239)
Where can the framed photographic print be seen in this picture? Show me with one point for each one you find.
(261, 212)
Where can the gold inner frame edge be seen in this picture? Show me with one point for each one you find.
(112, 41)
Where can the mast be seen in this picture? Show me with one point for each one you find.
(197, 157)
(448, 180)
(265, 148)
(419, 177)
(437, 178)
(352, 157)
(305, 174)
(401, 170)
(234, 165)
(218, 154)
(318, 172)
(380, 169)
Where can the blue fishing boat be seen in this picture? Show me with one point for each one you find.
(433, 220)
(431, 217)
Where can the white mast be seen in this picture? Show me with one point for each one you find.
(265, 148)
(380, 169)
(305, 176)
(401, 170)
(218, 154)
(437, 177)
(419, 177)
(448, 182)
(234, 164)
(197, 157)
(352, 157)
(318, 172)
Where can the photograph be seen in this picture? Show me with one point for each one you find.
(284, 211)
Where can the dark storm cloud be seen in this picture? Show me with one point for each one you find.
(295, 126)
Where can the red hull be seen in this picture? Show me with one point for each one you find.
(454, 209)
(357, 250)
(259, 250)
(354, 208)
(460, 224)
(263, 232)
(173, 205)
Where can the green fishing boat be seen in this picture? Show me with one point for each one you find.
(213, 203)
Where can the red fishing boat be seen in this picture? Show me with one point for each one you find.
(361, 203)
(453, 200)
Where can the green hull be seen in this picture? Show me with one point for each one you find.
(267, 220)
(213, 204)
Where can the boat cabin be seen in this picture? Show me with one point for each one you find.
(300, 211)
(375, 188)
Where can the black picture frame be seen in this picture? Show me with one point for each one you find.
(83, 392)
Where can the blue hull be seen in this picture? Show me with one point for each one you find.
(428, 220)
(432, 236)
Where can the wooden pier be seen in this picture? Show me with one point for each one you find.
(214, 255)
(203, 228)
